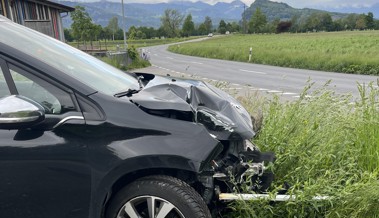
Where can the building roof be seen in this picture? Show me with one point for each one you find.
(60, 7)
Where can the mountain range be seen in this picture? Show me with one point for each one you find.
(140, 14)
(143, 14)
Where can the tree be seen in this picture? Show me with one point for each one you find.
(257, 22)
(361, 22)
(283, 26)
(222, 27)
(67, 35)
(132, 33)
(81, 24)
(188, 26)
(171, 21)
(370, 21)
(113, 26)
(202, 30)
(350, 21)
(208, 24)
(235, 27)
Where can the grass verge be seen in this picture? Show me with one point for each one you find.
(325, 145)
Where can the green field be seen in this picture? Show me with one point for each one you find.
(349, 52)
(324, 145)
(112, 45)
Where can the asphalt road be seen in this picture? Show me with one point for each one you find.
(262, 78)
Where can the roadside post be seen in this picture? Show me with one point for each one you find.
(250, 52)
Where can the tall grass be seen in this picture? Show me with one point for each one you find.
(325, 145)
(348, 52)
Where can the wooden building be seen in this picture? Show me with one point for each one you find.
(41, 15)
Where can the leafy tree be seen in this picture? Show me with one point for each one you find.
(208, 24)
(141, 35)
(95, 31)
(235, 27)
(257, 22)
(81, 25)
(149, 32)
(119, 35)
(320, 22)
(350, 21)
(283, 26)
(202, 30)
(370, 21)
(222, 27)
(113, 26)
(188, 26)
(132, 33)
(67, 35)
(171, 21)
(361, 22)
(161, 32)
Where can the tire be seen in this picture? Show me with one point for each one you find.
(171, 197)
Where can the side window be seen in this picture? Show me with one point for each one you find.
(54, 100)
(4, 91)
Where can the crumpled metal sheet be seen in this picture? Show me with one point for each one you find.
(219, 112)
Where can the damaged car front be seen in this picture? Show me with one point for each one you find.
(225, 119)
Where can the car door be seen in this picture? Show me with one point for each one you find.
(44, 171)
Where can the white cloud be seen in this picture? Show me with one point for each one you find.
(330, 3)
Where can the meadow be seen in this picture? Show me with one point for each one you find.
(325, 145)
(355, 52)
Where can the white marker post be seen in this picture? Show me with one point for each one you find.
(251, 51)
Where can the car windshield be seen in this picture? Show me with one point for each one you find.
(85, 68)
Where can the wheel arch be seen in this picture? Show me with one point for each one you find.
(121, 176)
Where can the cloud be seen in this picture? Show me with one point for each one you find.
(330, 3)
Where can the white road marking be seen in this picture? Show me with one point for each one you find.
(234, 88)
(298, 96)
(194, 62)
(289, 93)
(170, 58)
(251, 71)
(274, 91)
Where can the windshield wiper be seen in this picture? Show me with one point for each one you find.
(128, 93)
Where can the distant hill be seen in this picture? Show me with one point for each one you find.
(282, 11)
(363, 10)
(139, 14)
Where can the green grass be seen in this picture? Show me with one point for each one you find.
(350, 52)
(112, 45)
(325, 145)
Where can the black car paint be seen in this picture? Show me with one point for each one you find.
(70, 170)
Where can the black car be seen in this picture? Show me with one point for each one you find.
(79, 138)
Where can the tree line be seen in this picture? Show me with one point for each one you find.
(174, 24)
(318, 21)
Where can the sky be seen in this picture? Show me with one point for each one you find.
(293, 3)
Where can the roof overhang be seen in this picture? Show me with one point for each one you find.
(60, 7)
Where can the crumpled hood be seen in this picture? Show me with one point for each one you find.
(221, 114)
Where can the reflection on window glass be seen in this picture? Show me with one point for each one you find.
(32, 90)
(4, 91)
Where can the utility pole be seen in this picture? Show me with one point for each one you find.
(243, 19)
(123, 25)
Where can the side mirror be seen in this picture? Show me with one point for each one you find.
(18, 112)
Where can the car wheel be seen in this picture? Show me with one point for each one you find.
(157, 197)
